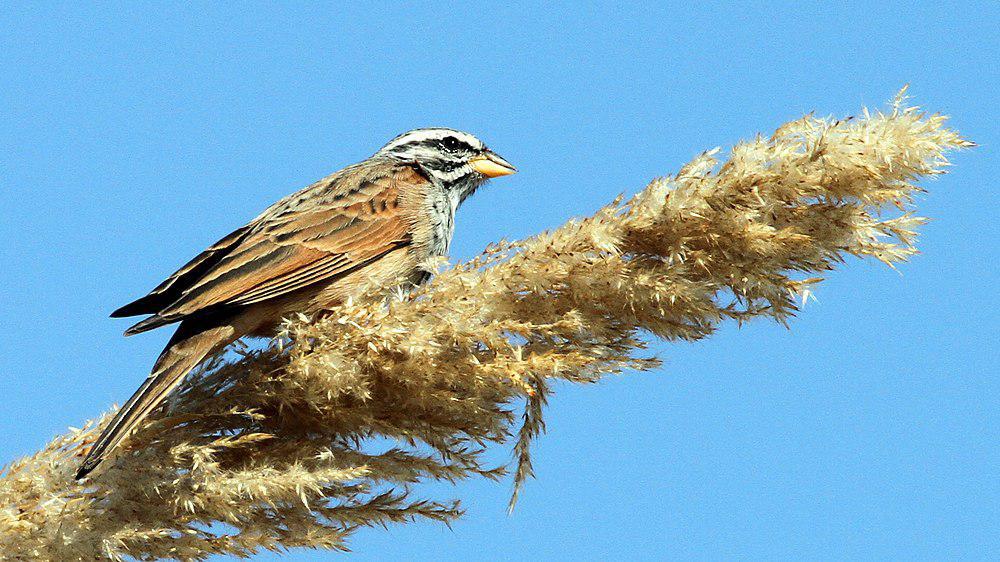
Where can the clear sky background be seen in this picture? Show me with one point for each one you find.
(131, 137)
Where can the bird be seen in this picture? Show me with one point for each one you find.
(367, 226)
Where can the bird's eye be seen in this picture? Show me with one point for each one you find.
(451, 144)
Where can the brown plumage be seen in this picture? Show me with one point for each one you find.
(365, 227)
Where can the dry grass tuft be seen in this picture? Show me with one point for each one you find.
(333, 426)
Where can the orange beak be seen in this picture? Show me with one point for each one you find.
(491, 165)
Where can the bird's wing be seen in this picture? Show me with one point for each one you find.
(332, 228)
(173, 287)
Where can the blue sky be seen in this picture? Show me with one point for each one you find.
(133, 136)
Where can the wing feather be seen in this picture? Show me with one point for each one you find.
(332, 228)
(171, 289)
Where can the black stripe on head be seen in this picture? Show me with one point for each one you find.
(444, 153)
(441, 140)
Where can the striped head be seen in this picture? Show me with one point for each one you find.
(459, 161)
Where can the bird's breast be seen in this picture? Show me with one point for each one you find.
(441, 218)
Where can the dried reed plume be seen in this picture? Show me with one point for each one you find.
(331, 426)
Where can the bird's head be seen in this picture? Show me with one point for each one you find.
(460, 161)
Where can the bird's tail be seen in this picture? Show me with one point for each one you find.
(184, 352)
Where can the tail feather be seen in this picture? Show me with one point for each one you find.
(184, 352)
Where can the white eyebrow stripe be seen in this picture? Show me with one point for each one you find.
(421, 135)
